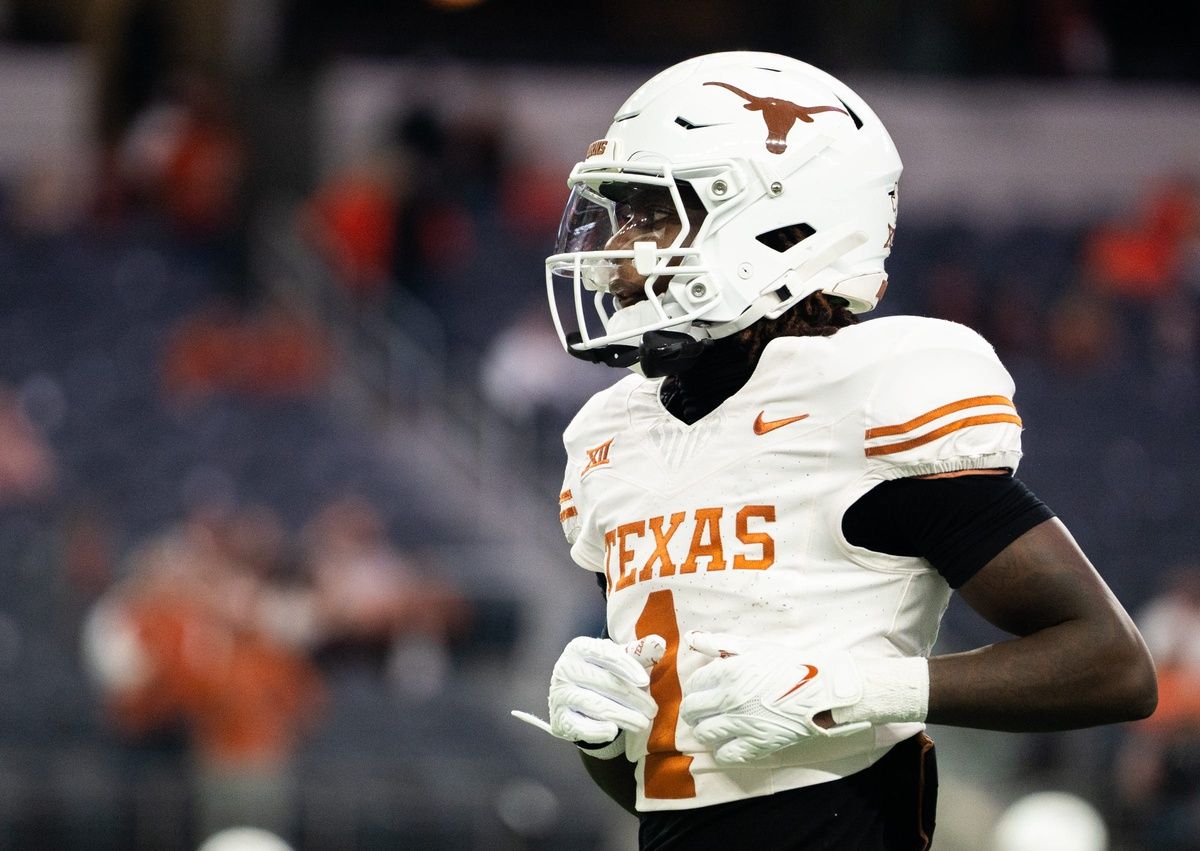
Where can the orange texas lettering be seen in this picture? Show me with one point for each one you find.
(698, 541)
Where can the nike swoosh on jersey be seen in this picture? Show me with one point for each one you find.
(812, 672)
(762, 426)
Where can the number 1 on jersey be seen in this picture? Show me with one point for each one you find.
(667, 773)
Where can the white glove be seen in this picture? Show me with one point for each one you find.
(756, 697)
(599, 689)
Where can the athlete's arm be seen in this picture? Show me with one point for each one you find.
(615, 778)
(1078, 660)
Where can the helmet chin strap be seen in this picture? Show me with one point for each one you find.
(760, 307)
(660, 353)
(614, 356)
(653, 353)
(663, 353)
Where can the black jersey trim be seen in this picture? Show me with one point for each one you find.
(957, 524)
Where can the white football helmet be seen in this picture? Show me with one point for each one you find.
(746, 147)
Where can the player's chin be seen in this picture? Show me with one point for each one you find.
(627, 294)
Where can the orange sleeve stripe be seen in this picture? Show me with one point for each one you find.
(984, 419)
(917, 422)
(564, 496)
(567, 513)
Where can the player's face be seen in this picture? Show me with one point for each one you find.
(649, 214)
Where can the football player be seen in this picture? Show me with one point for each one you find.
(780, 501)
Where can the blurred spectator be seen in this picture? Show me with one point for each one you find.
(137, 44)
(185, 157)
(272, 352)
(1140, 263)
(1084, 334)
(435, 231)
(352, 220)
(406, 214)
(202, 170)
(1069, 39)
(531, 202)
(1139, 257)
(373, 602)
(89, 551)
(528, 379)
(136, 47)
(1158, 771)
(46, 201)
(183, 640)
(28, 469)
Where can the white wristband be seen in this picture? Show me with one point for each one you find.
(894, 690)
(613, 749)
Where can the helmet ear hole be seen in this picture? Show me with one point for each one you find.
(781, 239)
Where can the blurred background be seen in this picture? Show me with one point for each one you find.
(280, 402)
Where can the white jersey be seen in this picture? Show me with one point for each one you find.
(733, 524)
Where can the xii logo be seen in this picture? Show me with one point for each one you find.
(597, 457)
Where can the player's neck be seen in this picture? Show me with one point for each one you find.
(719, 372)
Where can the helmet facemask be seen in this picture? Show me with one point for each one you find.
(626, 250)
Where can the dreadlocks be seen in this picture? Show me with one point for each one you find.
(818, 315)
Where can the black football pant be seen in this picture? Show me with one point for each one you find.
(887, 807)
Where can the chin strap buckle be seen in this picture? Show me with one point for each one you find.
(614, 356)
(669, 352)
(660, 353)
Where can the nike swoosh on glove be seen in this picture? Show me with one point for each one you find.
(599, 689)
(755, 697)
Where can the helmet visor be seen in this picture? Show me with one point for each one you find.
(612, 215)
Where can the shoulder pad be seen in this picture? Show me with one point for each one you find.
(568, 513)
(940, 401)
(598, 415)
(586, 441)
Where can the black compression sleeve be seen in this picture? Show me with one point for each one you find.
(958, 524)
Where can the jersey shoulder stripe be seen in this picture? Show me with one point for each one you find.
(566, 510)
(601, 415)
(568, 515)
(929, 416)
(975, 403)
(940, 401)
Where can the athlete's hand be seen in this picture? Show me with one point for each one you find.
(755, 697)
(600, 688)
